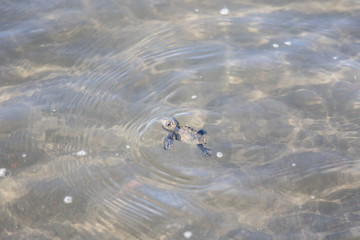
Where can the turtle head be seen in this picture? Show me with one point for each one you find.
(169, 124)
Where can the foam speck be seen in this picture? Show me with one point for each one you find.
(224, 11)
(81, 153)
(187, 234)
(68, 199)
(3, 172)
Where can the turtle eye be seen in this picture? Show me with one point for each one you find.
(168, 124)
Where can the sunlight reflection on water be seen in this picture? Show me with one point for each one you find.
(84, 85)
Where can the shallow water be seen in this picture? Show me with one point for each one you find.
(83, 86)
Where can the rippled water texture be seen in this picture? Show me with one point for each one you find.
(83, 85)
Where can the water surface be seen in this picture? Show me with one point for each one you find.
(83, 86)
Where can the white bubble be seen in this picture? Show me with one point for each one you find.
(196, 10)
(3, 172)
(116, 154)
(187, 234)
(68, 199)
(193, 97)
(275, 45)
(81, 153)
(355, 77)
(53, 110)
(23, 155)
(335, 57)
(288, 43)
(312, 197)
(224, 11)
(219, 154)
(294, 164)
(127, 146)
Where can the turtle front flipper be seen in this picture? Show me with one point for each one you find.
(202, 132)
(169, 141)
(206, 151)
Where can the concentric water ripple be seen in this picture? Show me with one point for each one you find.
(84, 86)
(99, 92)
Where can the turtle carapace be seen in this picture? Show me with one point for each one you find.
(184, 134)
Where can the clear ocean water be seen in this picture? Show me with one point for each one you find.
(84, 84)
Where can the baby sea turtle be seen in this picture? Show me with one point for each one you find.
(184, 134)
